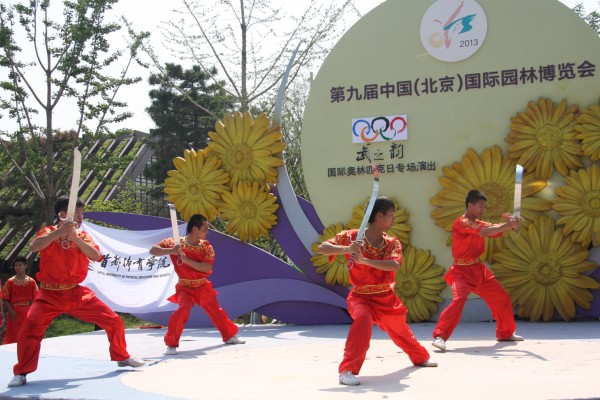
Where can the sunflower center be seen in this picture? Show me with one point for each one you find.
(499, 199)
(590, 204)
(240, 156)
(195, 188)
(248, 210)
(549, 136)
(546, 271)
(407, 286)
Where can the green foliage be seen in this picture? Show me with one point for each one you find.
(180, 123)
(71, 57)
(126, 201)
(66, 325)
(592, 18)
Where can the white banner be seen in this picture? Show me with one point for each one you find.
(130, 279)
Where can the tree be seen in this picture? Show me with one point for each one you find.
(68, 61)
(251, 41)
(179, 123)
(593, 18)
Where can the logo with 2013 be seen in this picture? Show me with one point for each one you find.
(453, 30)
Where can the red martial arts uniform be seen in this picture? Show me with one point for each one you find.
(193, 288)
(372, 300)
(468, 274)
(61, 271)
(20, 295)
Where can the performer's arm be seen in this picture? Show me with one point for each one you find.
(86, 248)
(384, 265)
(330, 249)
(159, 251)
(500, 228)
(44, 240)
(10, 312)
(197, 265)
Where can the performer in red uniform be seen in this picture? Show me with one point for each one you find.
(193, 259)
(468, 274)
(18, 294)
(372, 299)
(65, 251)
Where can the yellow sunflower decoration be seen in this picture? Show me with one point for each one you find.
(494, 175)
(578, 204)
(419, 283)
(248, 148)
(400, 229)
(197, 184)
(543, 138)
(588, 129)
(250, 210)
(543, 271)
(335, 270)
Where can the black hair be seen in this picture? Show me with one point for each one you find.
(196, 221)
(382, 205)
(20, 259)
(62, 203)
(473, 197)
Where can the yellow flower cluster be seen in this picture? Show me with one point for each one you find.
(543, 271)
(231, 176)
(419, 283)
(542, 267)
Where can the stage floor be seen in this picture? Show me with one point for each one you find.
(556, 361)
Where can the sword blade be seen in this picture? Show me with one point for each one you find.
(368, 210)
(518, 184)
(74, 185)
(174, 223)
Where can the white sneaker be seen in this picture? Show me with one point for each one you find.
(513, 338)
(348, 378)
(428, 363)
(439, 343)
(171, 351)
(235, 340)
(17, 380)
(131, 362)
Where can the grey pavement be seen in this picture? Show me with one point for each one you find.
(557, 360)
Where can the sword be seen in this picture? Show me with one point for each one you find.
(518, 184)
(74, 186)
(365, 220)
(175, 228)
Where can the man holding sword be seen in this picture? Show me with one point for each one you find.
(65, 251)
(193, 258)
(372, 300)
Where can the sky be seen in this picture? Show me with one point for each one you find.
(149, 17)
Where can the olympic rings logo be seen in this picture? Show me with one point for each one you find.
(379, 129)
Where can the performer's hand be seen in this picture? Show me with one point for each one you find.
(67, 229)
(515, 222)
(12, 315)
(507, 217)
(355, 248)
(175, 250)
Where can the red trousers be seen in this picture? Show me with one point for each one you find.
(79, 302)
(14, 326)
(206, 297)
(476, 278)
(387, 311)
